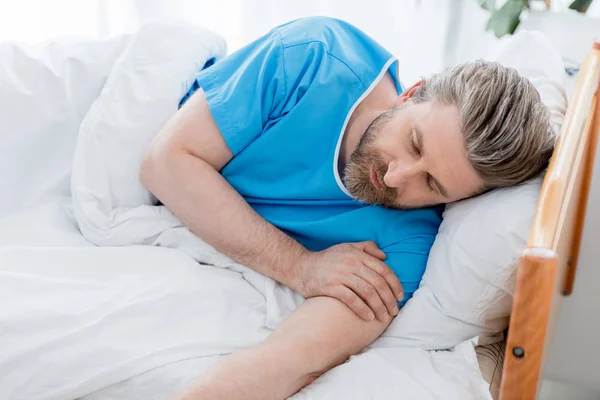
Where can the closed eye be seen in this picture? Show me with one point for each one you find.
(414, 144)
(428, 182)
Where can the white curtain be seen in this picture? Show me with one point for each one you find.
(413, 30)
(425, 35)
(38, 20)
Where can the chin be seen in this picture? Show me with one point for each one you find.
(406, 207)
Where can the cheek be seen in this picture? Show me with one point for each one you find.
(389, 145)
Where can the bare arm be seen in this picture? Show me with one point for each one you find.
(181, 168)
(321, 334)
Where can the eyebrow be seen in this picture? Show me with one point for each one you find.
(419, 140)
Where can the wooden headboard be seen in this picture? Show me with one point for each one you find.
(548, 264)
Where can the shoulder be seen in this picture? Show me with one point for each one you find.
(325, 30)
(334, 34)
(337, 39)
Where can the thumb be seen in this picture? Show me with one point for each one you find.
(371, 248)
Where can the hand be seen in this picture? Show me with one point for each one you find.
(353, 273)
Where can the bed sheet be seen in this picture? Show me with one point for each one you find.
(381, 373)
(112, 323)
(74, 320)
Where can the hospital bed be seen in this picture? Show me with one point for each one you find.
(122, 337)
(548, 265)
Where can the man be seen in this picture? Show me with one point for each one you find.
(299, 156)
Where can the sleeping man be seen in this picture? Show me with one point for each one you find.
(303, 157)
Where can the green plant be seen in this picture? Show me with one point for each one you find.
(504, 20)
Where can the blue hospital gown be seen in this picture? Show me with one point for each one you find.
(282, 104)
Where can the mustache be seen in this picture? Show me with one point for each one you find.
(357, 177)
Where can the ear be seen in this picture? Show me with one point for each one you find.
(408, 93)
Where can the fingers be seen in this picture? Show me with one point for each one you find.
(370, 248)
(387, 274)
(369, 295)
(362, 281)
(355, 303)
(383, 290)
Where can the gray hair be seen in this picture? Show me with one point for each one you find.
(506, 127)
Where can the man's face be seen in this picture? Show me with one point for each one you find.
(410, 157)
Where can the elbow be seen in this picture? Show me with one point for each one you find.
(147, 168)
(154, 167)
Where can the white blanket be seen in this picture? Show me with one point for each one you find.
(139, 317)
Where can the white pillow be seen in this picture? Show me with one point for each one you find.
(46, 89)
(469, 281)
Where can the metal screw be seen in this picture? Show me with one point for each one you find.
(518, 352)
(569, 264)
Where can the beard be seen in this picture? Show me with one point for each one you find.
(357, 173)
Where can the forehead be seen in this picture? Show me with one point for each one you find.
(439, 117)
(444, 148)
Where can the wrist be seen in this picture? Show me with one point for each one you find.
(297, 268)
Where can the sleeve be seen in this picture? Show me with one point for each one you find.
(408, 260)
(245, 90)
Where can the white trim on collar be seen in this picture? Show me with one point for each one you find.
(356, 103)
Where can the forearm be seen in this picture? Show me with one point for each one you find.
(259, 373)
(197, 194)
(318, 336)
(181, 169)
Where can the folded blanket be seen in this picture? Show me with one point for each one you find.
(142, 92)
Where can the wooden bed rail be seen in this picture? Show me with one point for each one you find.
(547, 266)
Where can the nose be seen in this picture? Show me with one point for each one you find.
(399, 173)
